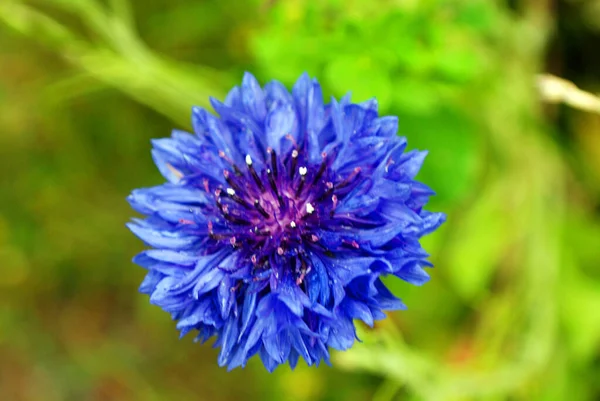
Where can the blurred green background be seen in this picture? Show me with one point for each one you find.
(513, 308)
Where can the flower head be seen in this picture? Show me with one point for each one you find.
(278, 219)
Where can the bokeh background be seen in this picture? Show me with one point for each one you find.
(513, 308)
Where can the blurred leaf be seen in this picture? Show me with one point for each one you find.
(479, 242)
(168, 87)
(404, 52)
(360, 76)
(580, 293)
(415, 96)
(581, 303)
(455, 152)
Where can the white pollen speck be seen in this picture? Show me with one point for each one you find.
(309, 208)
(230, 191)
(302, 170)
(293, 224)
(294, 153)
(248, 160)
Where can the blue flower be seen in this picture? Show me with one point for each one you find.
(278, 218)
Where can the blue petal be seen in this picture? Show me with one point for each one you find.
(171, 164)
(429, 223)
(386, 299)
(162, 239)
(318, 283)
(163, 296)
(229, 336)
(255, 333)
(208, 281)
(370, 105)
(234, 98)
(249, 138)
(299, 348)
(247, 312)
(293, 360)
(178, 257)
(226, 297)
(413, 273)
(150, 282)
(300, 94)
(253, 97)
(210, 127)
(342, 333)
(357, 310)
(270, 363)
(280, 122)
(410, 163)
(278, 346)
(385, 126)
(277, 94)
(197, 315)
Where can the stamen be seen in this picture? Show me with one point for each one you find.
(309, 208)
(290, 138)
(236, 169)
(302, 170)
(294, 163)
(301, 186)
(238, 199)
(328, 192)
(266, 233)
(310, 237)
(237, 220)
(177, 173)
(212, 235)
(217, 237)
(261, 210)
(253, 174)
(227, 214)
(273, 160)
(321, 169)
(274, 187)
(334, 199)
(352, 244)
(300, 279)
(293, 224)
(230, 181)
(262, 261)
(349, 179)
(304, 269)
(388, 164)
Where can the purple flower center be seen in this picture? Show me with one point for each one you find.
(275, 210)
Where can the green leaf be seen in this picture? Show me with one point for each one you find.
(455, 156)
(479, 241)
(580, 307)
(361, 76)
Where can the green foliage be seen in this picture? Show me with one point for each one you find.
(511, 311)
